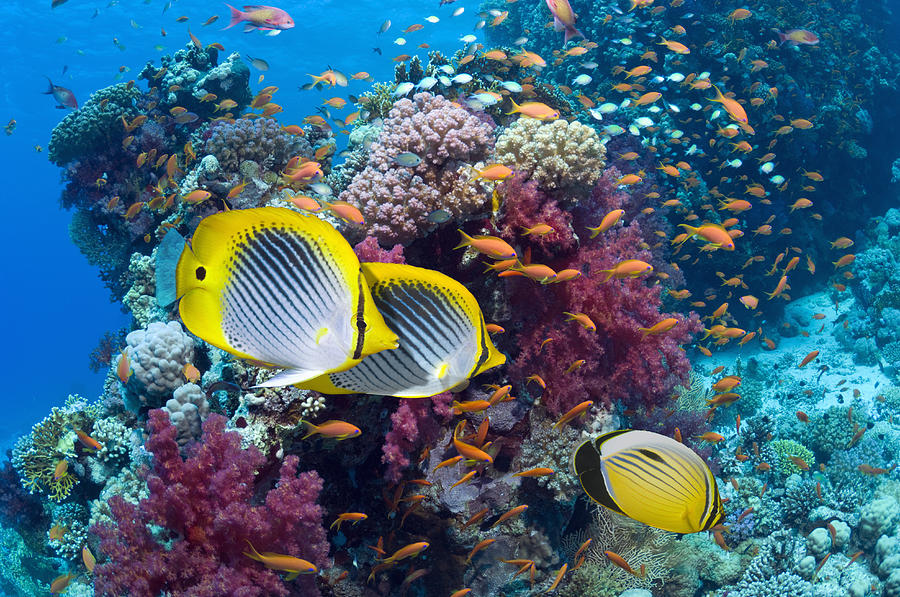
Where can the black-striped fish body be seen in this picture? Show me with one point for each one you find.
(442, 337)
(651, 478)
(281, 288)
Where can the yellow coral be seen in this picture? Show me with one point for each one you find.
(36, 455)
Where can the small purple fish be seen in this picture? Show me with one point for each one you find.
(63, 96)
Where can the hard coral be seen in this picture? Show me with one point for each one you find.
(397, 200)
(36, 455)
(157, 354)
(261, 140)
(205, 512)
(556, 155)
(94, 127)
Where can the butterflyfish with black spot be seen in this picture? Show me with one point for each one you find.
(650, 478)
(442, 336)
(282, 288)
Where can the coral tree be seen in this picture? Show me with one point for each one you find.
(205, 509)
(397, 200)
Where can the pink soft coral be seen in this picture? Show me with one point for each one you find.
(414, 425)
(206, 513)
(619, 363)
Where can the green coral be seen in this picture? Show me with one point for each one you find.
(95, 126)
(379, 100)
(833, 429)
(783, 451)
(37, 454)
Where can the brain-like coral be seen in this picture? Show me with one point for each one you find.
(397, 200)
(557, 154)
(95, 126)
(157, 354)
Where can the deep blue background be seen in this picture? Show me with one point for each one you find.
(53, 305)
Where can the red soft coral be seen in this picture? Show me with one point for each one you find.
(205, 509)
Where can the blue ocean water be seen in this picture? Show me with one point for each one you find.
(624, 317)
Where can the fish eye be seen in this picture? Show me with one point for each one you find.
(200, 273)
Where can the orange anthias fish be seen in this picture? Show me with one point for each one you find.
(660, 327)
(353, 517)
(582, 319)
(275, 561)
(123, 368)
(733, 107)
(409, 551)
(630, 268)
(87, 441)
(574, 412)
(564, 19)
(490, 246)
(339, 430)
(535, 110)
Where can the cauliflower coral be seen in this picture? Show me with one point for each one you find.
(557, 154)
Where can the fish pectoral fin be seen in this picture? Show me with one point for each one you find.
(289, 377)
(442, 370)
(321, 333)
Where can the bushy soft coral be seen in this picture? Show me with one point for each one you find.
(620, 363)
(205, 509)
(414, 424)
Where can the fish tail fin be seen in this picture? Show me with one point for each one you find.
(515, 107)
(236, 16)
(644, 332)
(572, 32)
(49, 86)
(311, 428)
(253, 555)
(466, 239)
(781, 36)
(609, 273)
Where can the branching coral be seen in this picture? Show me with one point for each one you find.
(397, 200)
(37, 456)
(204, 510)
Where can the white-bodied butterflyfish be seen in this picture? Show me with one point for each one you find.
(282, 288)
(650, 478)
(443, 340)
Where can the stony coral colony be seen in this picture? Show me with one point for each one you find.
(182, 470)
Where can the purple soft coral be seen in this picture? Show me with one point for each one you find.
(204, 506)
(414, 425)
